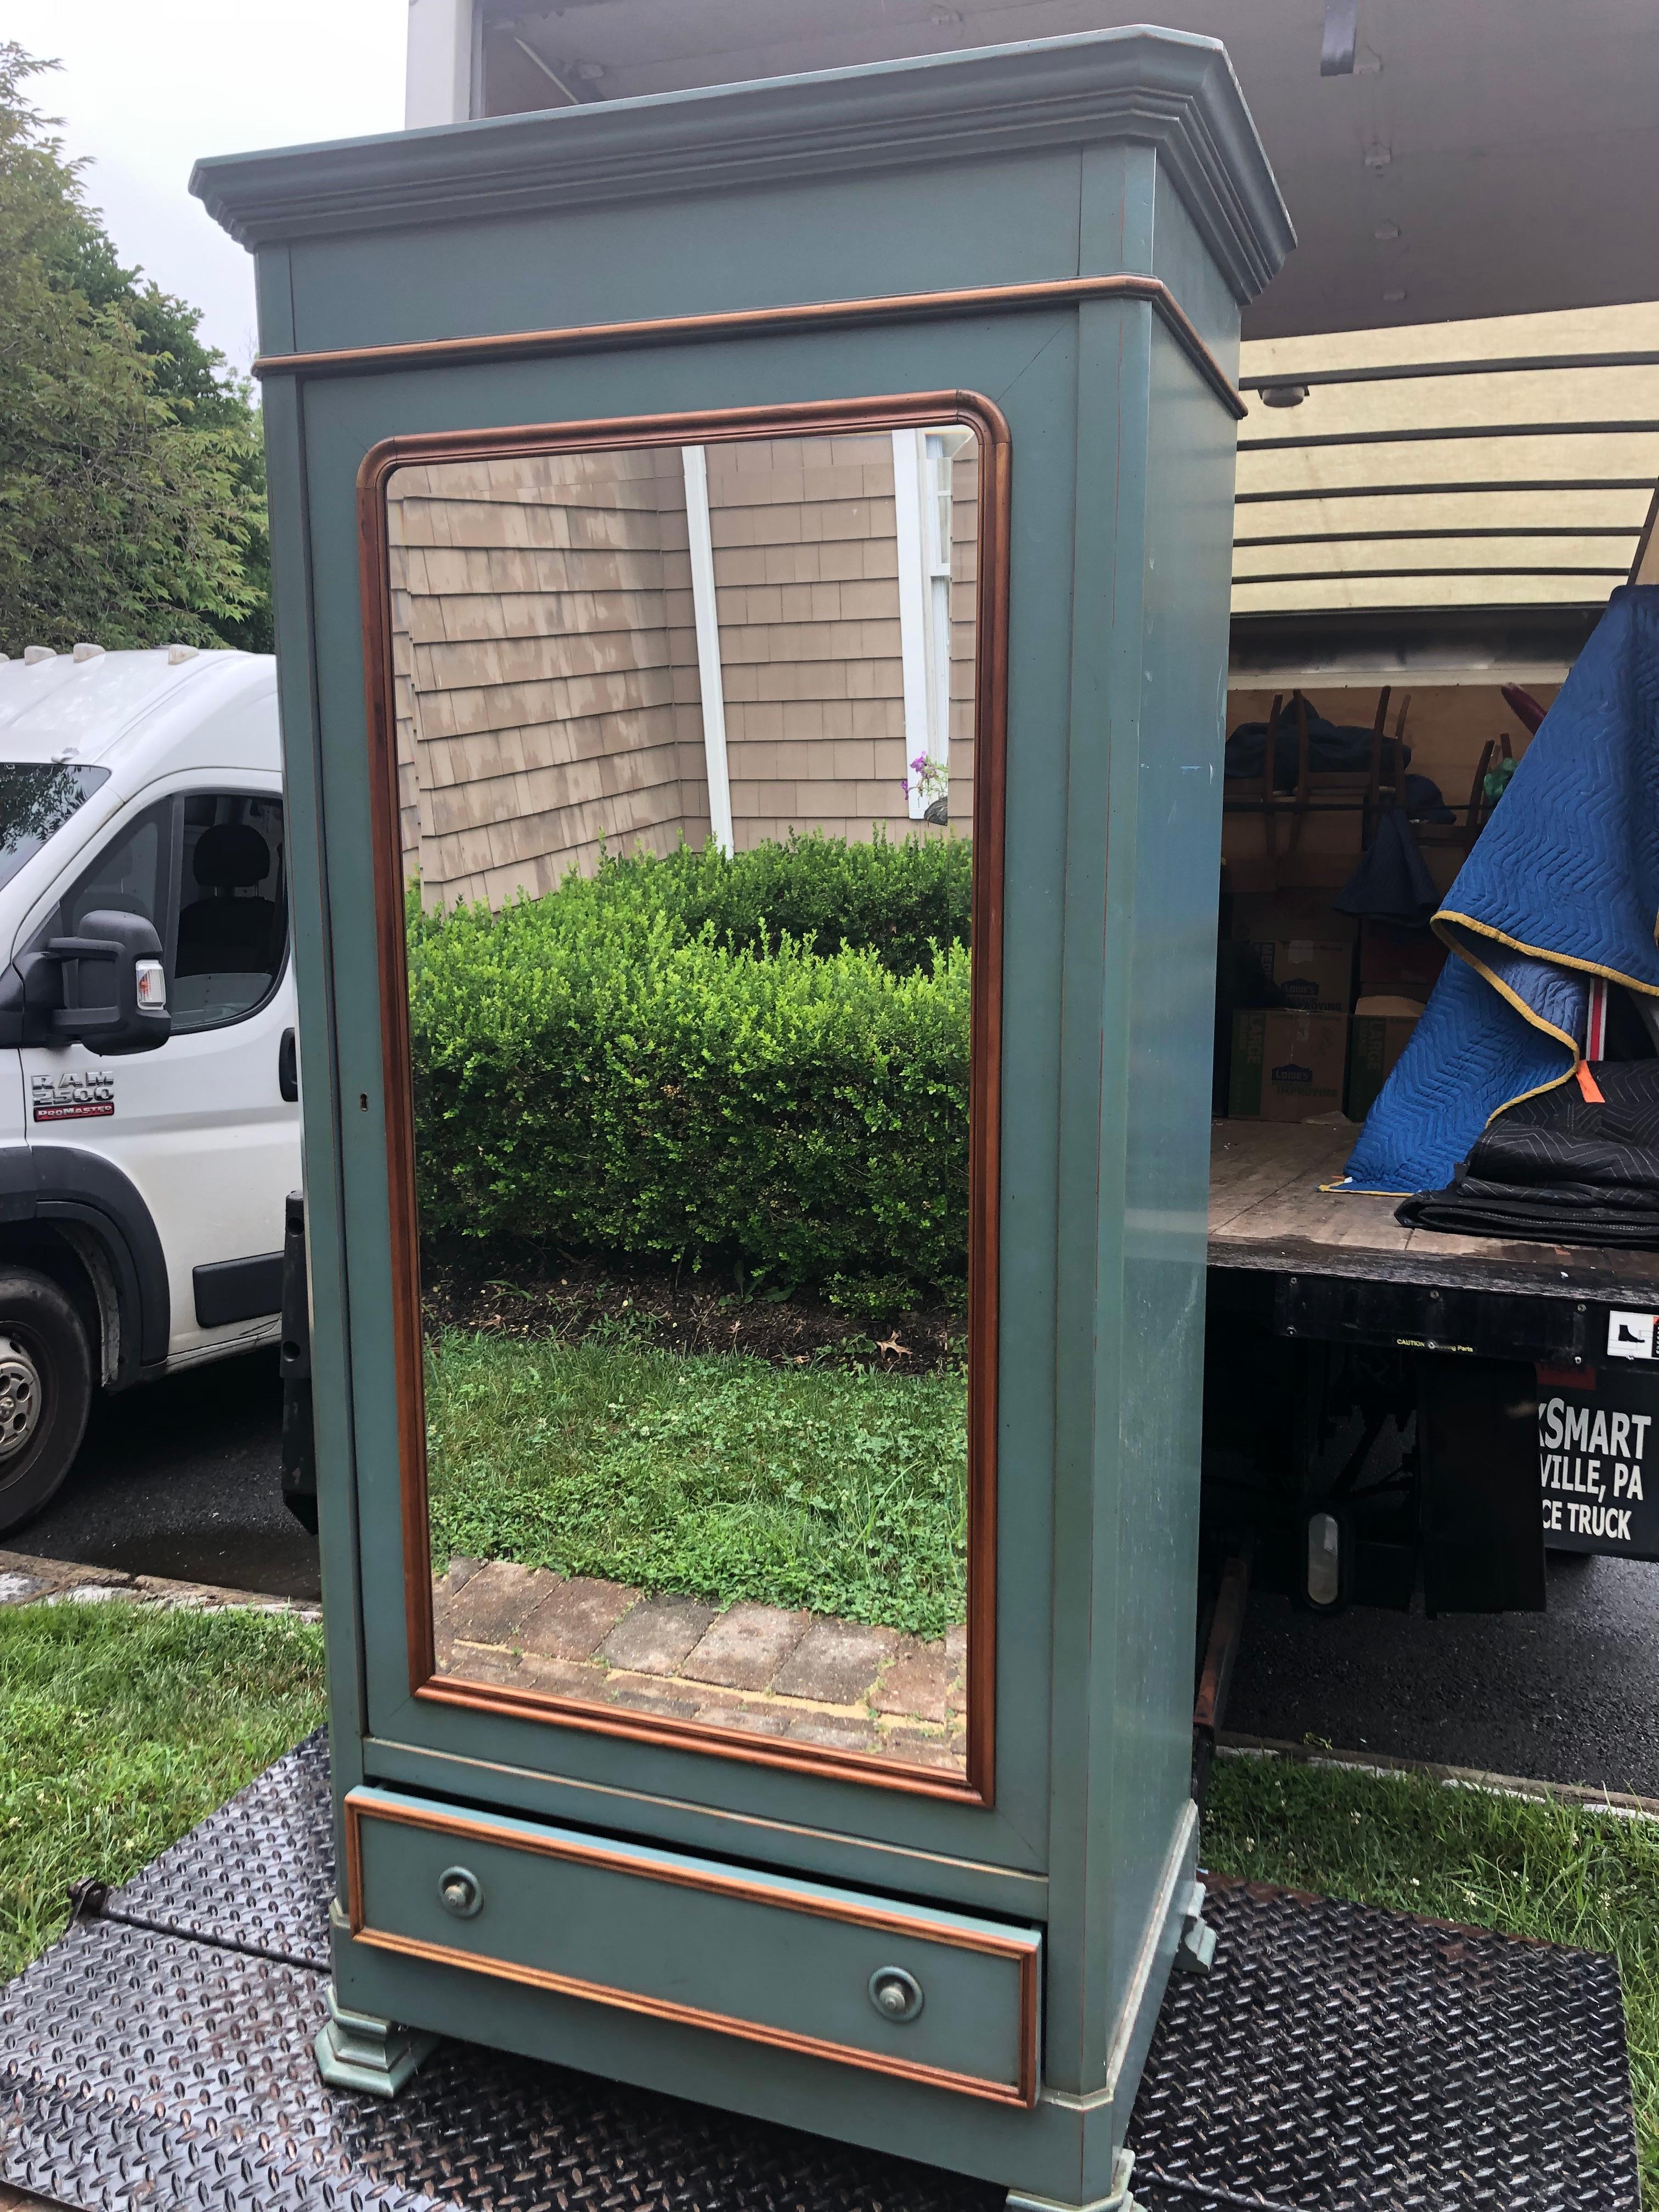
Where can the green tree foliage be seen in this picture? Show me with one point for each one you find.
(131, 465)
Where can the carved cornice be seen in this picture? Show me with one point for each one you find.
(1157, 87)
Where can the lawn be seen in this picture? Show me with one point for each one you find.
(716, 1476)
(122, 1728)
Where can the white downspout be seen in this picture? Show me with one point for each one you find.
(710, 681)
(910, 450)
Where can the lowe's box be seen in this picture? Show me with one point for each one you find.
(1315, 975)
(1287, 1065)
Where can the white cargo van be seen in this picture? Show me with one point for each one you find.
(149, 1121)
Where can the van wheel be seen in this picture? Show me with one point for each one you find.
(45, 1392)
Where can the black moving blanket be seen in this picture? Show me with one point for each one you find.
(1576, 1165)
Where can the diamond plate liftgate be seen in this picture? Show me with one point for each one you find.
(1336, 2058)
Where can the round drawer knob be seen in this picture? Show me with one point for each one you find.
(459, 1892)
(894, 1994)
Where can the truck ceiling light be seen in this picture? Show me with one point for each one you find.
(1283, 395)
(87, 651)
(178, 654)
(1336, 49)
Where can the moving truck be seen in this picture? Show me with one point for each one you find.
(1389, 1409)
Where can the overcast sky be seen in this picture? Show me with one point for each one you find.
(146, 86)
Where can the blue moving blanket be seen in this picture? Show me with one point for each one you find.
(1562, 885)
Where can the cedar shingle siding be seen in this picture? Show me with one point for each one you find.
(546, 658)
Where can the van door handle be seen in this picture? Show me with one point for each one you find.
(288, 1068)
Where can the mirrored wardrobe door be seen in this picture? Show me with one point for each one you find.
(685, 737)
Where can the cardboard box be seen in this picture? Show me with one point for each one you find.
(1378, 1040)
(1287, 1065)
(1262, 916)
(1316, 977)
(1390, 958)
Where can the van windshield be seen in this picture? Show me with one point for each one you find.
(37, 798)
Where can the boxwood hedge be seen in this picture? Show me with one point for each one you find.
(897, 901)
(758, 1062)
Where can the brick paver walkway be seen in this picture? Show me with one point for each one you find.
(25, 1580)
(803, 1676)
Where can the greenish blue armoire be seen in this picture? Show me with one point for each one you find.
(846, 448)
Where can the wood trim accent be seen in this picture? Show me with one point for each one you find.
(397, 1069)
(764, 322)
(984, 1100)
(701, 1735)
(399, 1764)
(778, 2039)
(854, 1914)
(990, 427)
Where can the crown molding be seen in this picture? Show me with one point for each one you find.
(1159, 88)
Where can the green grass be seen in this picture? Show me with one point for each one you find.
(719, 1478)
(1531, 1869)
(121, 1730)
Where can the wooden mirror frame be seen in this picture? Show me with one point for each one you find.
(931, 410)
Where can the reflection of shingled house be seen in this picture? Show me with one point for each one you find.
(548, 690)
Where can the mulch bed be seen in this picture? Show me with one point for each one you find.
(515, 1297)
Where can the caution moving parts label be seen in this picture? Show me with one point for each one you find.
(1598, 1462)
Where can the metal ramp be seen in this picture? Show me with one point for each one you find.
(1337, 2058)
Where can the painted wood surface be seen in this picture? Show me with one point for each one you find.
(777, 1962)
(1121, 170)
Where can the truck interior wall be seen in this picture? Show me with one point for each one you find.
(1447, 726)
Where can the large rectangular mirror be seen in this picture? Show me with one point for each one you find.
(691, 806)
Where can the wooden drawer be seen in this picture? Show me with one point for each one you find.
(908, 1989)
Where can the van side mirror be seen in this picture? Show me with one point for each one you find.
(108, 987)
